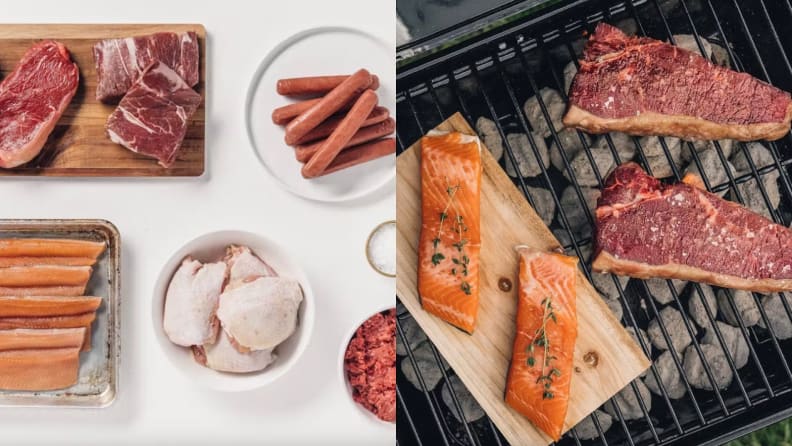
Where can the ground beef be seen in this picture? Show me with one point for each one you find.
(370, 363)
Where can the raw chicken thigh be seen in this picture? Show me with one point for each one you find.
(244, 266)
(191, 301)
(224, 357)
(261, 314)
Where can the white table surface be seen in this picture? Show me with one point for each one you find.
(156, 404)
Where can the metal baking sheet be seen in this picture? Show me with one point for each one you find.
(98, 378)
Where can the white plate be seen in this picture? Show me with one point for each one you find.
(210, 248)
(316, 52)
(364, 413)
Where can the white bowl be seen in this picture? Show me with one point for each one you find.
(365, 414)
(211, 247)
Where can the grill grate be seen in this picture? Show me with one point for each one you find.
(492, 77)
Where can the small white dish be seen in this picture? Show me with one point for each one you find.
(365, 414)
(210, 248)
(317, 52)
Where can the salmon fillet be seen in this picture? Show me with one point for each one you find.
(39, 369)
(541, 367)
(34, 306)
(32, 247)
(44, 275)
(25, 338)
(73, 321)
(448, 251)
(31, 261)
(77, 290)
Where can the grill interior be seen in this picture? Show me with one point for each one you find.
(492, 77)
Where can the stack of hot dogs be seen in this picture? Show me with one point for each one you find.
(341, 128)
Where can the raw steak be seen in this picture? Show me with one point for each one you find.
(643, 86)
(120, 62)
(32, 99)
(648, 229)
(152, 118)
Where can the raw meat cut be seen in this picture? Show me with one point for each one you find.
(541, 367)
(448, 250)
(244, 266)
(120, 62)
(35, 306)
(191, 301)
(643, 86)
(648, 229)
(261, 314)
(74, 321)
(370, 365)
(152, 118)
(44, 275)
(24, 338)
(39, 247)
(77, 290)
(32, 99)
(225, 357)
(39, 369)
(5, 262)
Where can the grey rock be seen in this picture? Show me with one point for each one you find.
(720, 56)
(587, 430)
(412, 334)
(628, 403)
(527, 166)
(777, 316)
(584, 171)
(760, 155)
(556, 107)
(605, 284)
(733, 340)
(747, 310)
(646, 341)
(726, 147)
(488, 131)
(622, 143)
(713, 168)
(661, 165)
(696, 305)
(669, 376)
(653, 145)
(752, 194)
(570, 70)
(544, 205)
(718, 365)
(570, 141)
(660, 291)
(427, 367)
(688, 42)
(470, 408)
(675, 326)
(575, 212)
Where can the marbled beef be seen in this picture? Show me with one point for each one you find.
(643, 86)
(648, 229)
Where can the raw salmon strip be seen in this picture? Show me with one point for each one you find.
(33, 247)
(39, 369)
(77, 290)
(73, 321)
(31, 261)
(44, 275)
(448, 251)
(541, 368)
(24, 338)
(34, 306)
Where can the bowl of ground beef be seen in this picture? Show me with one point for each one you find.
(368, 367)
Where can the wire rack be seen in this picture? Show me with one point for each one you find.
(492, 77)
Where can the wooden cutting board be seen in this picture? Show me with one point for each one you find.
(606, 357)
(79, 145)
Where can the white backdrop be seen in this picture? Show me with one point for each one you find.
(156, 404)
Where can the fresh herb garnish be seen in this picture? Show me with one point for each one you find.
(540, 340)
(462, 262)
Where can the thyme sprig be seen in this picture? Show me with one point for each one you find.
(461, 262)
(541, 340)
